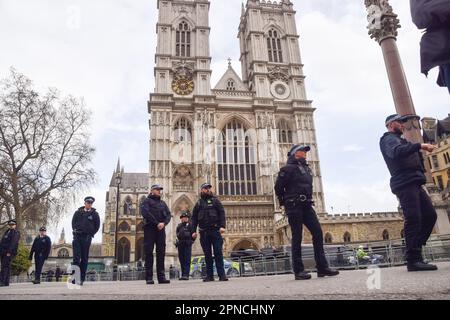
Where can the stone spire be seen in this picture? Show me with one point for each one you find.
(62, 237)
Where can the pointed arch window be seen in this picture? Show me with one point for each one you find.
(284, 133)
(123, 251)
(183, 40)
(274, 46)
(236, 158)
(124, 227)
(328, 238)
(385, 235)
(347, 237)
(182, 131)
(231, 85)
(128, 209)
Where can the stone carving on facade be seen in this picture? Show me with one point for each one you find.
(383, 22)
(278, 74)
(182, 179)
(183, 70)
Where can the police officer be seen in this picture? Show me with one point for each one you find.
(85, 224)
(41, 250)
(209, 216)
(8, 250)
(184, 245)
(294, 189)
(405, 163)
(156, 216)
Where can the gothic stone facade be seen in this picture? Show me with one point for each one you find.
(235, 135)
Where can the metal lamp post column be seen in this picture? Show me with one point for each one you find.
(118, 182)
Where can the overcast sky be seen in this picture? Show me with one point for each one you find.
(104, 50)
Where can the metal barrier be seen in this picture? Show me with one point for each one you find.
(382, 254)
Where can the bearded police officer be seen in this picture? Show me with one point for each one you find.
(8, 250)
(294, 189)
(41, 250)
(156, 216)
(85, 224)
(209, 216)
(405, 163)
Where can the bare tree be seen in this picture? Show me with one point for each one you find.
(45, 155)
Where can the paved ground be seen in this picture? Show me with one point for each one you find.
(395, 283)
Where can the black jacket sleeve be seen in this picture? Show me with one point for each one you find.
(48, 248)
(394, 149)
(96, 218)
(221, 211)
(168, 216)
(74, 220)
(147, 214)
(194, 219)
(430, 13)
(280, 185)
(14, 243)
(33, 249)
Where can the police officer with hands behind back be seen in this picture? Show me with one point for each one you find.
(156, 216)
(294, 189)
(41, 250)
(209, 216)
(85, 224)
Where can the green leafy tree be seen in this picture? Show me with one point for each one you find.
(20, 263)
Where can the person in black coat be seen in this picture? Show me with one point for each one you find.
(41, 250)
(184, 245)
(294, 189)
(156, 216)
(434, 16)
(405, 163)
(8, 250)
(85, 224)
(209, 216)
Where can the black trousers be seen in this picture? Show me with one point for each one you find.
(420, 218)
(154, 237)
(39, 261)
(185, 254)
(211, 240)
(305, 215)
(81, 245)
(5, 272)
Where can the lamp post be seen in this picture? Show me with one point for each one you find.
(118, 182)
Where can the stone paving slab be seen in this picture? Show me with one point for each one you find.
(394, 283)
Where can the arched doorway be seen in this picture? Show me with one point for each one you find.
(123, 254)
(244, 245)
(347, 237)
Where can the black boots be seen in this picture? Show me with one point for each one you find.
(302, 276)
(150, 282)
(36, 282)
(421, 266)
(184, 278)
(163, 281)
(327, 272)
(208, 279)
(224, 278)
